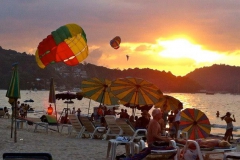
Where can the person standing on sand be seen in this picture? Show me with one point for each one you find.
(177, 118)
(73, 110)
(217, 114)
(229, 127)
(79, 113)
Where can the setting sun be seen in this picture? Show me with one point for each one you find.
(182, 48)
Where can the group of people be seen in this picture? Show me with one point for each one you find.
(154, 131)
(78, 112)
(22, 109)
(103, 111)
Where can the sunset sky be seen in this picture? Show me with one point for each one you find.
(176, 35)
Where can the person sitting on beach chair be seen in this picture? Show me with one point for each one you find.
(153, 135)
(6, 112)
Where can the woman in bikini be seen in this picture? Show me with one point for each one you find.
(229, 127)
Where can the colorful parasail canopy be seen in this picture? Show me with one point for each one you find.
(115, 42)
(67, 44)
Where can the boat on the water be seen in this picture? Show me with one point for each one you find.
(210, 93)
(76, 90)
(30, 110)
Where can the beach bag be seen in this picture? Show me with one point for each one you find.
(43, 118)
(189, 155)
(29, 123)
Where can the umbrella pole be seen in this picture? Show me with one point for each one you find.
(12, 119)
(89, 106)
(56, 115)
(133, 112)
(66, 116)
(103, 96)
(15, 131)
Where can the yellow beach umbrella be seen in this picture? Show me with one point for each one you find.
(168, 103)
(135, 91)
(97, 89)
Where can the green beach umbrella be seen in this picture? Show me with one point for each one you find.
(13, 92)
(13, 89)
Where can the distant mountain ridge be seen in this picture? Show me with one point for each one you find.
(217, 78)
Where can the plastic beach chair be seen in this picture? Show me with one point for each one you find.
(112, 127)
(202, 155)
(2, 113)
(76, 125)
(129, 131)
(90, 128)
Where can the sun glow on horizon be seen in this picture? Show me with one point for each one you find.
(183, 48)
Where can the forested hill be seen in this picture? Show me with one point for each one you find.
(31, 76)
(218, 78)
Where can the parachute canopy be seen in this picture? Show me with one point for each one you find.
(115, 42)
(67, 44)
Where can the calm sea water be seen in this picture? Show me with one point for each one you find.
(209, 104)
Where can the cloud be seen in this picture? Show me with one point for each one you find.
(212, 24)
(94, 56)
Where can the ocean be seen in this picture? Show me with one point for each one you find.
(209, 104)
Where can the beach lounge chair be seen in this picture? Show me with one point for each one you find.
(2, 113)
(202, 154)
(91, 129)
(129, 131)
(46, 121)
(130, 136)
(76, 125)
(165, 154)
(113, 129)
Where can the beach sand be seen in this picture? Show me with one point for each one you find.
(60, 146)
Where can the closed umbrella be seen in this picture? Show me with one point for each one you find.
(52, 97)
(135, 91)
(195, 122)
(13, 93)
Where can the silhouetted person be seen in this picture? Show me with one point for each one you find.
(229, 127)
(50, 110)
(217, 114)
